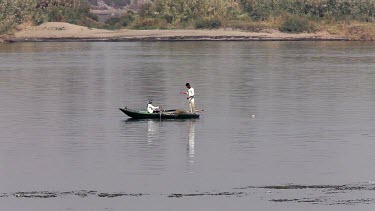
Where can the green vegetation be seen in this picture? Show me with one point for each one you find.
(296, 24)
(14, 12)
(180, 12)
(293, 16)
(208, 24)
(124, 21)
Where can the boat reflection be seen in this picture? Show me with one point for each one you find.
(144, 145)
(159, 134)
(153, 127)
(152, 130)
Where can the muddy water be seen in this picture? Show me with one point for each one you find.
(286, 126)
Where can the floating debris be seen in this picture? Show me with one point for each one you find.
(111, 195)
(314, 194)
(179, 195)
(327, 187)
(84, 193)
(35, 194)
(304, 200)
(3, 195)
(80, 193)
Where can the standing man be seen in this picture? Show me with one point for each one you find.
(190, 93)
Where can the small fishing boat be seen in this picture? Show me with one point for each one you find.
(165, 114)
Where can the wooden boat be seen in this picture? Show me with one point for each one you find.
(165, 114)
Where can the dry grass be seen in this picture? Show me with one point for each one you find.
(360, 31)
(255, 26)
(4, 38)
(250, 26)
(353, 30)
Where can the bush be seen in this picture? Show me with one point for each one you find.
(146, 10)
(55, 15)
(168, 18)
(113, 21)
(296, 24)
(208, 24)
(14, 12)
(149, 23)
(93, 16)
(123, 21)
(259, 15)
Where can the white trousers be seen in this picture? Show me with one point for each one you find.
(192, 105)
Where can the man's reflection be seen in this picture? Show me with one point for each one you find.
(191, 142)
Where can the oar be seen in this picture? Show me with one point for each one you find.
(199, 110)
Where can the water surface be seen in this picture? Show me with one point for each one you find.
(276, 114)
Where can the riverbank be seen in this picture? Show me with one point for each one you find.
(4, 38)
(57, 31)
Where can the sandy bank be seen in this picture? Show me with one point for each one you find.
(54, 31)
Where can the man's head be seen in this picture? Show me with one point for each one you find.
(187, 85)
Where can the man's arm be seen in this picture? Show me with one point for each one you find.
(154, 107)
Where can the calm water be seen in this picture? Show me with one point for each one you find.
(278, 116)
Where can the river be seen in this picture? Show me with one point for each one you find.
(286, 126)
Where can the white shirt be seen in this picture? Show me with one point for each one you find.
(151, 108)
(191, 92)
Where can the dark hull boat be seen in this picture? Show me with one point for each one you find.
(166, 114)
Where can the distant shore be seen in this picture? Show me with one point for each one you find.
(65, 32)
